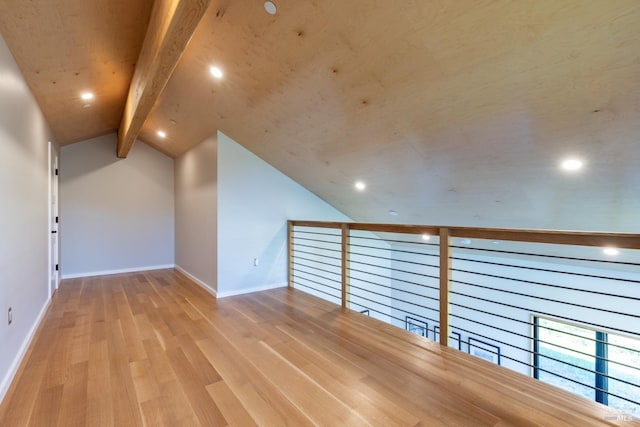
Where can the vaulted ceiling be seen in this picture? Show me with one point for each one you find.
(452, 111)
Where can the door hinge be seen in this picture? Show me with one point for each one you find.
(56, 171)
(57, 267)
(57, 219)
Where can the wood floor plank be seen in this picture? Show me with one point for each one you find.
(123, 394)
(234, 413)
(175, 407)
(376, 364)
(46, 410)
(81, 339)
(155, 349)
(264, 402)
(146, 387)
(308, 395)
(99, 402)
(348, 388)
(199, 363)
(194, 386)
(152, 413)
(59, 360)
(18, 404)
(73, 407)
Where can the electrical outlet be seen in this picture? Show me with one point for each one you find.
(256, 261)
(10, 315)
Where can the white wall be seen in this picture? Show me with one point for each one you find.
(196, 216)
(254, 203)
(115, 214)
(24, 136)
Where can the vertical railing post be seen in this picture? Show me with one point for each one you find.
(290, 253)
(445, 284)
(345, 261)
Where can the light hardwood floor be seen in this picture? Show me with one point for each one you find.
(155, 349)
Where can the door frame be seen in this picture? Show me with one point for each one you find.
(53, 212)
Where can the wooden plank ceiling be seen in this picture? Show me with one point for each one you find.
(452, 111)
(65, 48)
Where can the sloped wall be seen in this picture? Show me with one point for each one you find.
(255, 200)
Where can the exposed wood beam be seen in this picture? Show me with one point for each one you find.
(172, 25)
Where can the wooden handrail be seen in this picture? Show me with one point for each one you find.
(579, 238)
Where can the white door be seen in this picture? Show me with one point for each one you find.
(53, 219)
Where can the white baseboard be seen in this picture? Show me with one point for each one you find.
(199, 282)
(234, 292)
(15, 365)
(124, 270)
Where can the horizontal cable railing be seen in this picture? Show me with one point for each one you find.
(547, 304)
(316, 257)
(392, 289)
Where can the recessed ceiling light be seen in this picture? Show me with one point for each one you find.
(360, 186)
(216, 72)
(161, 134)
(393, 213)
(611, 251)
(572, 164)
(426, 237)
(270, 7)
(87, 96)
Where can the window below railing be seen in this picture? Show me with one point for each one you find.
(599, 365)
(546, 304)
